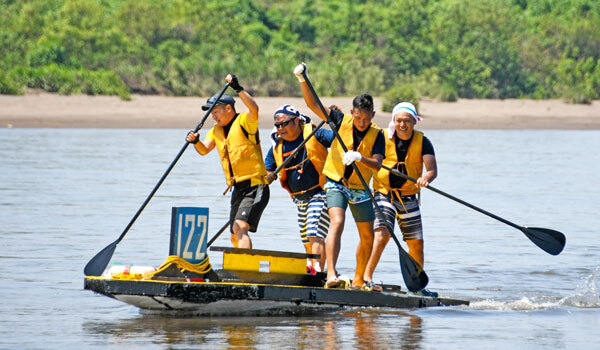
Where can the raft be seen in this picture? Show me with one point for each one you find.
(251, 282)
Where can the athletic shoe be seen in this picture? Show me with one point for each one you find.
(427, 293)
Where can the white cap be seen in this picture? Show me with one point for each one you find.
(402, 107)
(406, 107)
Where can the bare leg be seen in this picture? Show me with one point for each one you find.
(318, 247)
(240, 237)
(308, 249)
(382, 237)
(363, 251)
(415, 250)
(337, 217)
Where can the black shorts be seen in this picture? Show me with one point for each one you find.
(248, 203)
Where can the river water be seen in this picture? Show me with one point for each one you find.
(65, 194)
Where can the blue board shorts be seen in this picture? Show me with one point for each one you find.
(359, 201)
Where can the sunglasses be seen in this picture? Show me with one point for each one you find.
(283, 124)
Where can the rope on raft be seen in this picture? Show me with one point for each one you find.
(183, 265)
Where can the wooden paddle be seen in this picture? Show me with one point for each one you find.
(271, 176)
(550, 241)
(414, 276)
(98, 263)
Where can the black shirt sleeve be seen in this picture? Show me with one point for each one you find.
(379, 146)
(427, 147)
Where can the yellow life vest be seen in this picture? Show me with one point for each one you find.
(239, 154)
(315, 152)
(413, 163)
(334, 168)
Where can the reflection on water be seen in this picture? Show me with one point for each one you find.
(368, 334)
(355, 328)
(240, 335)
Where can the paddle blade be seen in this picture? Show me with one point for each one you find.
(96, 266)
(414, 276)
(551, 241)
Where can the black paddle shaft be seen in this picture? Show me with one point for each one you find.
(98, 263)
(550, 241)
(214, 238)
(413, 273)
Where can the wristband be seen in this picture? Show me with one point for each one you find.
(235, 85)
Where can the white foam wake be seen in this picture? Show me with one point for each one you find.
(523, 304)
(586, 297)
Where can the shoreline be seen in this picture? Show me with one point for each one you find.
(44, 110)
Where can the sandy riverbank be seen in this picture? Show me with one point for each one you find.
(43, 110)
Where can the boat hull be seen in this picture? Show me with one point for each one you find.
(220, 298)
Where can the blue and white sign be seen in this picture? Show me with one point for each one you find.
(189, 226)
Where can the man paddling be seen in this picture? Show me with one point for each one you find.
(236, 137)
(303, 176)
(406, 150)
(367, 148)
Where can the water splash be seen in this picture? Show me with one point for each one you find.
(587, 297)
(523, 304)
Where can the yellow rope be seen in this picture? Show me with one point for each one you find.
(183, 265)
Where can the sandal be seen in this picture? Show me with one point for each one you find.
(334, 283)
(370, 286)
(353, 287)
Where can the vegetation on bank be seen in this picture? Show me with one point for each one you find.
(399, 49)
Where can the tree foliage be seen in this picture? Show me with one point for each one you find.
(441, 48)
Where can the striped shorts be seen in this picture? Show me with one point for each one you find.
(313, 217)
(409, 219)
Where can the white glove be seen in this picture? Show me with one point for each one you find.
(351, 157)
(301, 68)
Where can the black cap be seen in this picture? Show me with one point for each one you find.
(224, 100)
